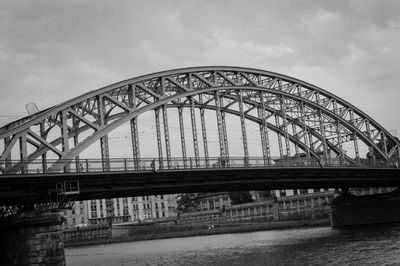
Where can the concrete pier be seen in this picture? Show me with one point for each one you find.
(32, 239)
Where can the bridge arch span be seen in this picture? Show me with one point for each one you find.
(306, 117)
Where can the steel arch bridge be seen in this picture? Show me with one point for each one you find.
(305, 119)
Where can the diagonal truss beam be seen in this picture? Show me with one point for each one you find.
(334, 114)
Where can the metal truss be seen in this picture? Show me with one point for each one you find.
(306, 119)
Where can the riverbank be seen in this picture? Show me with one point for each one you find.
(129, 233)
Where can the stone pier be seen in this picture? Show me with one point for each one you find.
(32, 239)
(350, 210)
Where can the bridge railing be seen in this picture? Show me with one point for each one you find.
(157, 164)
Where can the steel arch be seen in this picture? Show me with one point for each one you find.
(177, 88)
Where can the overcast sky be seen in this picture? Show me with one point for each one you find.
(51, 51)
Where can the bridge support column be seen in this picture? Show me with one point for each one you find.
(347, 209)
(32, 239)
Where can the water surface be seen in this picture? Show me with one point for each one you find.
(371, 245)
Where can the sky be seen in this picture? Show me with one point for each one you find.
(52, 51)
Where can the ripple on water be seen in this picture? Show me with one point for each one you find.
(371, 245)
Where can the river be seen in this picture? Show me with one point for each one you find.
(369, 245)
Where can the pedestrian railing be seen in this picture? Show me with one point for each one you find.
(161, 164)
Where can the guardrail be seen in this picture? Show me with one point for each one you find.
(157, 164)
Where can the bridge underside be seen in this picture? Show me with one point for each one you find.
(25, 189)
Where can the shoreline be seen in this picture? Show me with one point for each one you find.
(218, 229)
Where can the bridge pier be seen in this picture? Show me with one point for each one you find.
(348, 210)
(32, 239)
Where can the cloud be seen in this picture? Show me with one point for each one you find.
(53, 51)
(224, 45)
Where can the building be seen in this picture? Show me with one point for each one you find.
(300, 207)
(120, 210)
(290, 202)
(132, 209)
(371, 191)
(293, 192)
(219, 200)
(77, 216)
(153, 207)
(212, 201)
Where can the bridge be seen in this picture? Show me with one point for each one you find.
(210, 128)
(189, 130)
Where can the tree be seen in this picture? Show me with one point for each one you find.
(238, 197)
(186, 202)
(6, 211)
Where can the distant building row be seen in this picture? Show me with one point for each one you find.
(120, 210)
(161, 207)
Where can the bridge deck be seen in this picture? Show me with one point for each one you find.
(16, 189)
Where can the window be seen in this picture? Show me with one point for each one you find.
(161, 196)
(162, 205)
(82, 220)
(163, 214)
(73, 221)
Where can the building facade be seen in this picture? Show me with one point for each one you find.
(120, 210)
(77, 215)
(159, 207)
(212, 201)
(301, 207)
